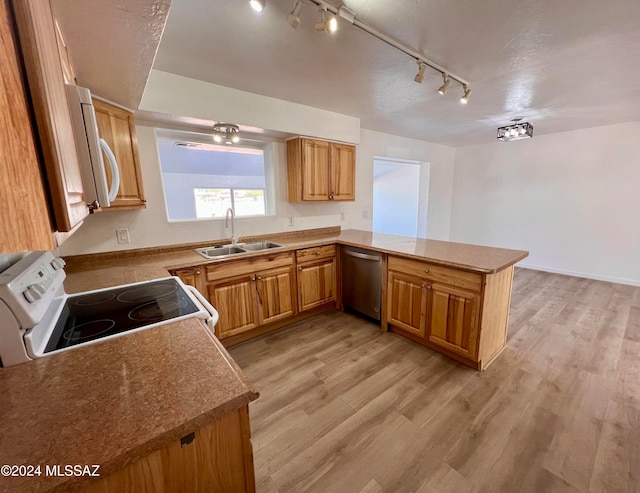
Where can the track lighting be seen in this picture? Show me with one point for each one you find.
(294, 16)
(226, 132)
(516, 131)
(467, 92)
(445, 84)
(420, 75)
(257, 5)
(328, 23)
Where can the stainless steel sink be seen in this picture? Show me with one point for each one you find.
(261, 245)
(229, 250)
(219, 252)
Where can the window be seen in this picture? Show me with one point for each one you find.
(202, 180)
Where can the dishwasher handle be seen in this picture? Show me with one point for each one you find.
(363, 256)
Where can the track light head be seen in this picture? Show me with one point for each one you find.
(328, 23)
(445, 84)
(420, 75)
(226, 132)
(467, 92)
(258, 5)
(294, 17)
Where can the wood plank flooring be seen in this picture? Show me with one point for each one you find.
(345, 408)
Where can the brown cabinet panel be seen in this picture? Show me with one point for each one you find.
(276, 294)
(235, 301)
(407, 303)
(117, 127)
(37, 35)
(437, 273)
(315, 253)
(453, 320)
(343, 172)
(24, 209)
(192, 277)
(316, 283)
(315, 170)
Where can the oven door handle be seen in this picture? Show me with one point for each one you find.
(211, 322)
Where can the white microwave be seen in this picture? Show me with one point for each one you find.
(90, 147)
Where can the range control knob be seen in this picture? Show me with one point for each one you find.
(58, 263)
(34, 292)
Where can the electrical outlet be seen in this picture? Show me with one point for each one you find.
(365, 214)
(123, 235)
(342, 216)
(290, 220)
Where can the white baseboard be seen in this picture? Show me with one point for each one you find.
(630, 282)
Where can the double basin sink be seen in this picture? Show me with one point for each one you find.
(230, 250)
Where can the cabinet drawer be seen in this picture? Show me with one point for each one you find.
(230, 268)
(432, 272)
(315, 253)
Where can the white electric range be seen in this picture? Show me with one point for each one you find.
(37, 318)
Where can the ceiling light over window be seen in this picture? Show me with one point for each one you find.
(328, 22)
(294, 16)
(467, 92)
(516, 131)
(420, 75)
(226, 132)
(445, 85)
(257, 5)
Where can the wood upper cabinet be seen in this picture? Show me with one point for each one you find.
(26, 224)
(453, 319)
(251, 293)
(316, 276)
(36, 30)
(407, 302)
(117, 127)
(320, 171)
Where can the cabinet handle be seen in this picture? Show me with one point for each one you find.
(300, 269)
(197, 273)
(253, 278)
(428, 286)
(426, 271)
(331, 197)
(318, 253)
(259, 278)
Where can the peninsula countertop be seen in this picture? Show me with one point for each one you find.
(113, 402)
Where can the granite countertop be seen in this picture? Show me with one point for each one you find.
(474, 258)
(113, 402)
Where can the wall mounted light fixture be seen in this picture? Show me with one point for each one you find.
(226, 132)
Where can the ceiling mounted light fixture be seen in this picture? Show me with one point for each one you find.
(420, 75)
(258, 5)
(516, 131)
(467, 92)
(446, 82)
(226, 132)
(328, 22)
(294, 17)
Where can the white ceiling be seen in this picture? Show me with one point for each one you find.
(561, 65)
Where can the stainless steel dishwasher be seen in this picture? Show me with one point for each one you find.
(362, 281)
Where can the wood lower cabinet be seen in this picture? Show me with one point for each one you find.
(116, 126)
(251, 293)
(462, 314)
(316, 276)
(193, 276)
(216, 458)
(318, 170)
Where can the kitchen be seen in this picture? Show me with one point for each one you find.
(567, 197)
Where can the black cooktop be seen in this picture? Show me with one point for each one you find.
(87, 317)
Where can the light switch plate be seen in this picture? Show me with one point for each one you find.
(123, 235)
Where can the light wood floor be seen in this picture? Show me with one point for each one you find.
(345, 408)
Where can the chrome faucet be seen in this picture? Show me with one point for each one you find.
(234, 238)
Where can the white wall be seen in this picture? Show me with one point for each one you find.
(395, 200)
(572, 199)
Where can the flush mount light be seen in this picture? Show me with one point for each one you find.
(294, 16)
(257, 5)
(328, 22)
(467, 92)
(226, 132)
(420, 75)
(516, 131)
(445, 84)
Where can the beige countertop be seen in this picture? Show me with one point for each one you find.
(115, 401)
(473, 258)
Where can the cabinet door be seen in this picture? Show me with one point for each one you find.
(46, 84)
(276, 294)
(117, 127)
(407, 303)
(343, 172)
(315, 170)
(191, 277)
(235, 301)
(316, 283)
(453, 319)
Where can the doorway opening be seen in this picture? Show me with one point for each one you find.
(400, 196)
